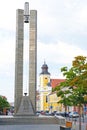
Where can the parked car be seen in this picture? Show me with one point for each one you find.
(73, 114)
(42, 112)
(63, 114)
(59, 116)
(37, 113)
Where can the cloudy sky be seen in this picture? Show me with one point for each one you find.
(61, 35)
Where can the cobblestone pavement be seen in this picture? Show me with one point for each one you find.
(75, 126)
(36, 127)
(29, 127)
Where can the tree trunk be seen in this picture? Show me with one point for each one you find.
(79, 117)
(65, 110)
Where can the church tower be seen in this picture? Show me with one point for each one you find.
(45, 87)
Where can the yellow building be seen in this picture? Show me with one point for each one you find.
(53, 102)
(47, 99)
(45, 88)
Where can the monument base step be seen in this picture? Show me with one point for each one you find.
(28, 120)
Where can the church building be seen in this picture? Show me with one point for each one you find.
(46, 99)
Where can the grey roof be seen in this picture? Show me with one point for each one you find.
(44, 69)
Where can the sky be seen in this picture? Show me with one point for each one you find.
(61, 36)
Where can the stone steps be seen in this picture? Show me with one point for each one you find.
(28, 120)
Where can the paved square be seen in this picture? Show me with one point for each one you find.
(29, 127)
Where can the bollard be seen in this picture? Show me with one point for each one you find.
(68, 124)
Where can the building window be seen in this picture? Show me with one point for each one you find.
(46, 99)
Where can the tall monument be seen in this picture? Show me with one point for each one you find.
(25, 105)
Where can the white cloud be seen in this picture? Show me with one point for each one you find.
(59, 22)
(7, 52)
(59, 52)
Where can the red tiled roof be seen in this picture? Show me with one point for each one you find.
(56, 82)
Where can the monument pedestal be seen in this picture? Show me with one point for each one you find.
(27, 120)
(26, 107)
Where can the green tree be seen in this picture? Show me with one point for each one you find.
(74, 88)
(3, 103)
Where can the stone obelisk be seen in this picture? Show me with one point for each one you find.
(33, 57)
(25, 105)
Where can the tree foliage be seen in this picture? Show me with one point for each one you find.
(73, 91)
(3, 103)
(75, 81)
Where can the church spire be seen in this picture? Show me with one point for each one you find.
(45, 69)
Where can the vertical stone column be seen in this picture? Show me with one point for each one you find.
(33, 57)
(19, 58)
